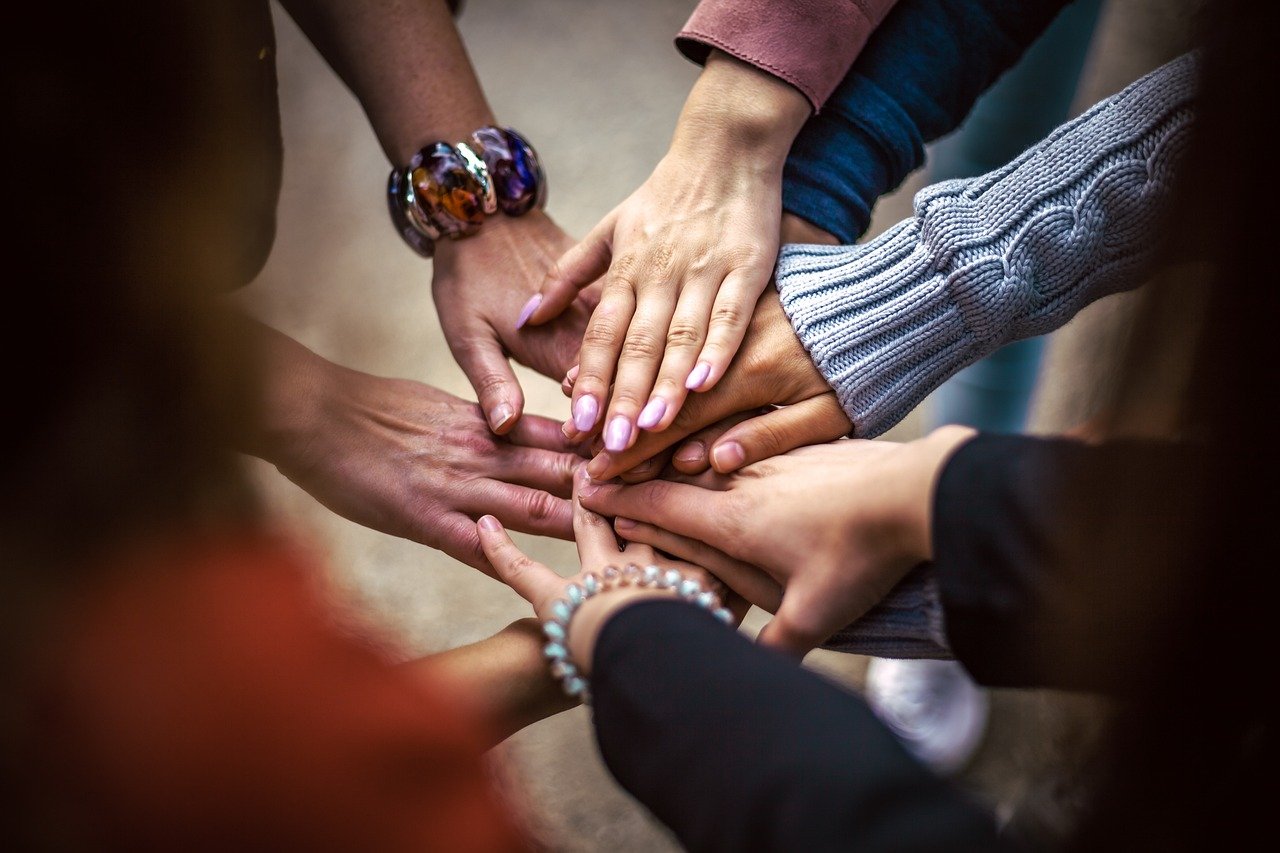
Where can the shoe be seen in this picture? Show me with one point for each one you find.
(933, 706)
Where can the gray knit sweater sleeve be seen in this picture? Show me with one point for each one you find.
(984, 261)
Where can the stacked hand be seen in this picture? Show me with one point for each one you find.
(818, 535)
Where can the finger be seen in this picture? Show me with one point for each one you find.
(694, 455)
(813, 421)
(543, 470)
(531, 580)
(697, 512)
(796, 628)
(686, 334)
(520, 508)
(698, 412)
(455, 534)
(597, 546)
(730, 316)
(648, 469)
(541, 433)
(576, 269)
(599, 353)
(637, 366)
(481, 358)
(748, 581)
(566, 384)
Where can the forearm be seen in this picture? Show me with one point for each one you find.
(1012, 254)
(505, 678)
(739, 116)
(771, 756)
(1054, 558)
(917, 79)
(405, 63)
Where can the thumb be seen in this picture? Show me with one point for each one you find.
(796, 627)
(576, 269)
(486, 366)
(531, 580)
(814, 421)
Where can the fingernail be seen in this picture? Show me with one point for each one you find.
(572, 376)
(500, 415)
(587, 487)
(568, 429)
(652, 413)
(488, 522)
(728, 456)
(698, 375)
(617, 434)
(585, 409)
(527, 311)
(623, 523)
(642, 468)
(597, 466)
(694, 451)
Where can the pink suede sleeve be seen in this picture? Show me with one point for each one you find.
(811, 44)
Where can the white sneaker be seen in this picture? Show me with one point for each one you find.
(933, 706)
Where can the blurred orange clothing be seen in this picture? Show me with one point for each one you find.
(206, 696)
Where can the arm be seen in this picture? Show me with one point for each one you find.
(504, 676)
(1036, 572)
(770, 756)
(916, 80)
(755, 734)
(1008, 255)
(406, 64)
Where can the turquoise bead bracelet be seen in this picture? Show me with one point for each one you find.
(556, 629)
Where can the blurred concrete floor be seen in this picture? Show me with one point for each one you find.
(597, 86)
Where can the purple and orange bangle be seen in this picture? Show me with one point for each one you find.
(448, 190)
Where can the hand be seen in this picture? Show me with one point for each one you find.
(684, 258)
(597, 549)
(479, 284)
(771, 369)
(408, 459)
(835, 526)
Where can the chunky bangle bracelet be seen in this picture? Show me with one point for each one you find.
(448, 190)
(556, 629)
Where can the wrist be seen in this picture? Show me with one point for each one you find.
(796, 229)
(737, 111)
(931, 454)
(596, 612)
(292, 390)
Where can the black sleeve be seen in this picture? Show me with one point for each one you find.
(738, 748)
(1043, 553)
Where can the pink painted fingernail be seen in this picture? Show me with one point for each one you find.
(698, 375)
(527, 311)
(728, 456)
(617, 434)
(488, 522)
(585, 410)
(652, 413)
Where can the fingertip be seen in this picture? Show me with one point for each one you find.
(698, 376)
(502, 418)
(489, 524)
(728, 456)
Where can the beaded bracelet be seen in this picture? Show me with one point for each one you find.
(556, 629)
(448, 190)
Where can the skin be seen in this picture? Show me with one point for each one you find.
(405, 458)
(832, 528)
(772, 368)
(683, 259)
(505, 677)
(597, 549)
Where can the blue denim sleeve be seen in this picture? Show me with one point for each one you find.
(916, 80)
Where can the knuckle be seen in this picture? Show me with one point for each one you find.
(683, 335)
(541, 506)
(728, 314)
(641, 346)
(603, 332)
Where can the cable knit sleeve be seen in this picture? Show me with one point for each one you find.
(1011, 254)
